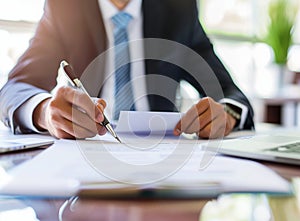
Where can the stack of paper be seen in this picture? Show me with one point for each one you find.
(141, 166)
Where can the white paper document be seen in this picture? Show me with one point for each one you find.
(64, 170)
(145, 122)
(146, 162)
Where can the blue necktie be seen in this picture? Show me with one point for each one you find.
(123, 88)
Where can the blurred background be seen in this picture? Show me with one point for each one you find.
(258, 41)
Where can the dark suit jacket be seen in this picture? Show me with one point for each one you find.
(73, 30)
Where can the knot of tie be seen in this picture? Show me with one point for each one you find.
(121, 20)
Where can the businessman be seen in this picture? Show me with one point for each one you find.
(79, 31)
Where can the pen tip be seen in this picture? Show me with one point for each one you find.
(118, 139)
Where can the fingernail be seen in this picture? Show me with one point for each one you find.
(177, 132)
(99, 107)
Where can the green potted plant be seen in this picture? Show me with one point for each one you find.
(282, 16)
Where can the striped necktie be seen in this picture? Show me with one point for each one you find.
(123, 89)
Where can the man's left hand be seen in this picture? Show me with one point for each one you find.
(207, 119)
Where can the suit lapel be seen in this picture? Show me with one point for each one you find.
(91, 75)
(152, 28)
(153, 17)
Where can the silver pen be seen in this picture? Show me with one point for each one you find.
(66, 70)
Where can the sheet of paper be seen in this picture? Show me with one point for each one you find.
(69, 167)
(147, 123)
(148, 158)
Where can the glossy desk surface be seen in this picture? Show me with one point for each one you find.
(137, 209)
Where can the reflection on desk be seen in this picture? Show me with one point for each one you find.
(254, 207)
(95, 210)
(233, 207)
(13, 209)
(76, 209)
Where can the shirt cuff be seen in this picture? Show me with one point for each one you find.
(244, 110)
(26, 111)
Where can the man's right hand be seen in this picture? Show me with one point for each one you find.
(70, 114)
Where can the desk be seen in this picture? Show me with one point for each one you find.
(99, 209)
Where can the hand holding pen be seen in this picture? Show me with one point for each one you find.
(70, 113)
(66, 69)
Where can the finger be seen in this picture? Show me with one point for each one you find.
(191, 117)
(63, 128)
(101, 130)
(100, 108)
(55, 132)
(102, 103)
(177, 129)
(214, 129)
(200, 122)
(206, 118)
(77, 130)
(218, 133)
(60, 134)
(80, 132)
(190, 123)
(82, 101)
(193, 113)
(78, 117)
(63, 109)
(214, 111)
(82, 119)
(185, 121)
(86, 122)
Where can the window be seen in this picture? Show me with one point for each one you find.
(21, 10)
(237, 28)
(244, 19)
(18, 20)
